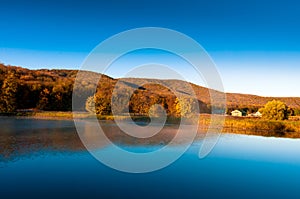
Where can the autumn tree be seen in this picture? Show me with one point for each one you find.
(120, 101)
(61, 96)
(103, 103)
(157, 110)
(186, 107)
(43, 99)
(90, 104)
(8, 100)
(275, 110)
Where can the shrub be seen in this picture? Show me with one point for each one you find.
(275, 110)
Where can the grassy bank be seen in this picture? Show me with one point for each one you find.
(52, 114)
(256, 126)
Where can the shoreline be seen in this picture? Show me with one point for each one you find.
(234, 125)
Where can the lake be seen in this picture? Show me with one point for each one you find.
(46, 159)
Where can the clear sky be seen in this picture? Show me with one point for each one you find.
(254, 43)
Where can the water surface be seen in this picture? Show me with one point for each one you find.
(46, 159)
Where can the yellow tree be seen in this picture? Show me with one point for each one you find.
(9, 94)
(186, 107)
(103, 103)
(90, 104)
(275, 110)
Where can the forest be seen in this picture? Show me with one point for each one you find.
(51, 90)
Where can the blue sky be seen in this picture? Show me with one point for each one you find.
(255, 44)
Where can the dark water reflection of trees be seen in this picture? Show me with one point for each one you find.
(29, 137)
(26, 137)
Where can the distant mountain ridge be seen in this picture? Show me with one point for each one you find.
(34, 84)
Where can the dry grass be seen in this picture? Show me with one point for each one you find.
(257, 126)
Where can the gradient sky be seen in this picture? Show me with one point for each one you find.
(255, 44)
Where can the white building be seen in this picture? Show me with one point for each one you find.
(236, 113)
(257, 114)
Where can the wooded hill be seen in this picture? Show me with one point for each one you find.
(52, 90)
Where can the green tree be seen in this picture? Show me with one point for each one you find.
(275, 110)
(8, 102)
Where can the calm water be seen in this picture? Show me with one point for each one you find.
(45, 159)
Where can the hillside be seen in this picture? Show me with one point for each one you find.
(52, 90)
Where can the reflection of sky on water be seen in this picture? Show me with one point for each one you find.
(26, 137)
(258, 148)
(220, 175)
(239, 167)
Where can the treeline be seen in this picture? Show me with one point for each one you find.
(142, 102)
(52, 90)
(35, 89)
(17, 95)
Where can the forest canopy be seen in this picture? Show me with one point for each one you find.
(51, 90)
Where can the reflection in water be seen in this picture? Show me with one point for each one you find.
(240, 166)
(27, 137)
(23, 137)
